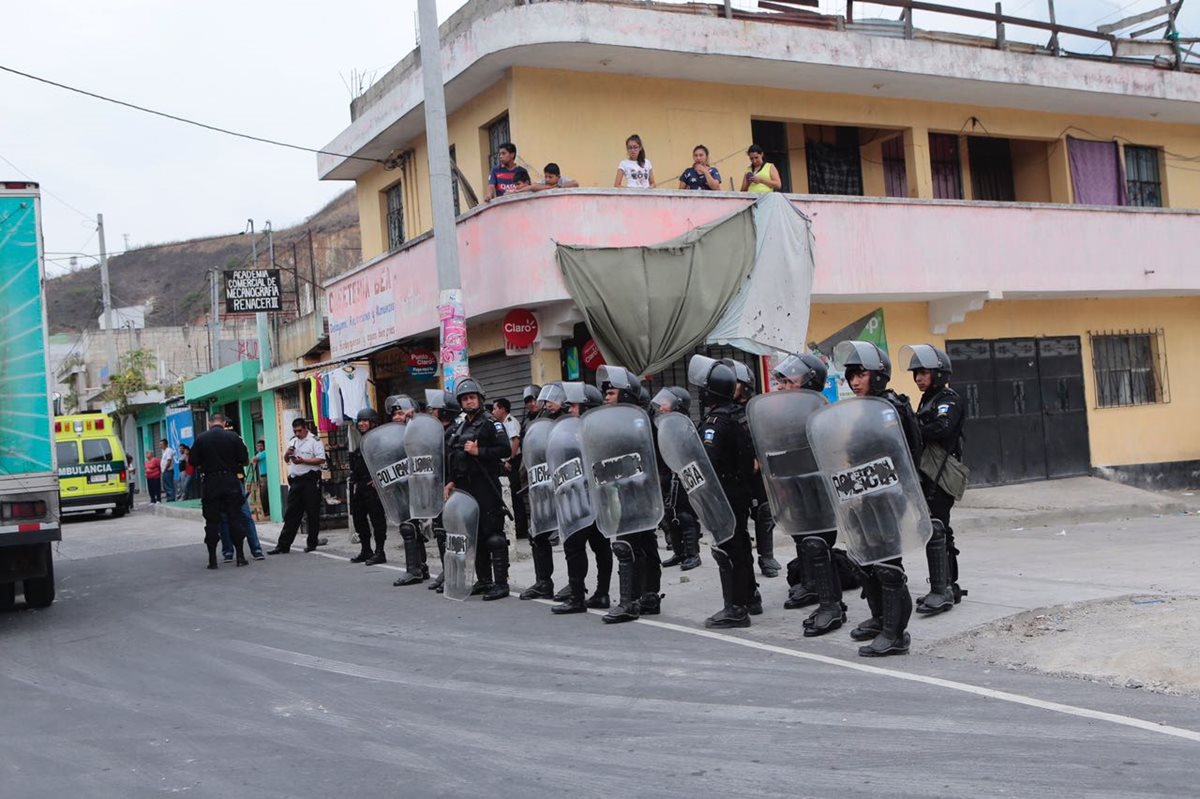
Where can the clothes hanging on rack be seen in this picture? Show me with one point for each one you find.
(347, 393)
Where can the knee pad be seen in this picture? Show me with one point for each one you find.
(724, 562)
(408, 531)
(889, 576)
(814, 546)
(497, 543)
(623, 551)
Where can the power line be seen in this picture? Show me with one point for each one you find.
(184, 120)
(25, 174)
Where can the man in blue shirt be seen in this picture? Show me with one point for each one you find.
(700, 176)
(507, 175)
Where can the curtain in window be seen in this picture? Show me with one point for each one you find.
(834, 169)
(1096, 174)
(991, 169)
(945, 167)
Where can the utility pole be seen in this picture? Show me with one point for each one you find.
(214, 322)
(110, 335)
(260, 318)
(451, 310)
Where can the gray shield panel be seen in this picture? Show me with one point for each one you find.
(572, 496)
(621, 468)
(384, 453)
(543, 517)
(860, 447)
(425, 443)
(684, 453)
(796, 489)
(460, 517)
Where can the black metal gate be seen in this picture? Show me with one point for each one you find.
(1026, 417)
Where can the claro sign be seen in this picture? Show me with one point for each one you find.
(520, 331)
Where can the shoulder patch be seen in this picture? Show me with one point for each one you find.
(710, 434)
(943, 410)
(499, 427)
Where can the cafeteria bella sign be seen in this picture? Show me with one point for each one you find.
(252, 290)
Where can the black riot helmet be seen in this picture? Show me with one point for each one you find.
(742, 373)
(469, 385)
(401, 401)
(553, 393)
(716, 379)
(927, 356)
(856, 356)
(368, 414)
(531, 392)
(676, 398)
(584, 394)
(803, 370)
(440, 402)
(626, 382)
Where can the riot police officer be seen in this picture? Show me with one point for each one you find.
(680, 523)
(885, 585)
(940, 416)
(580, 398)
(366, 508)
(639, 567)
(551, 399)
(477, 446)
(726, 438)
(445, 408)
(516, 482)
(402, 408)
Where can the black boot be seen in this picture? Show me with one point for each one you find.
(675, 541)
(755, 607)
(414, 571)
(573, 602)
(802, 591)
(872, 592)
(542, 589)
(650, 604)
(831, 613)
(564, 593)
(365, 553)
(764, 540)
(941, 592)
(241, 553)
(731, 615)
(952, 557)
(599, 601)
(897, 609)
(212, 557)
(627, 609)
(499, 589)
(690, 536)
(380, 557)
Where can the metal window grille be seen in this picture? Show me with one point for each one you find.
(946, 168)
(895, 170)
(1130, 367)
(395, 216)
(498, 133)
(1142, 180)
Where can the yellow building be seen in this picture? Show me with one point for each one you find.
(1033, 214)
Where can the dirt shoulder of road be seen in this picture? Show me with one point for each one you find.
(1149, 642)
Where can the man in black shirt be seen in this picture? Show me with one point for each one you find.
(218, 456)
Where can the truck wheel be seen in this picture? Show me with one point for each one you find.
(39, 592)
(120, 511)
(8, 596)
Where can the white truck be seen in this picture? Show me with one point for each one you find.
(29, 510)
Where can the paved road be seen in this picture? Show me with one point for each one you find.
(304, 676)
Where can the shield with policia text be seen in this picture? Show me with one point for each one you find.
(572, 496)
(797, 490)
(860, 448)
(425, 443)
(385, 456)
(460, 517)
(619, 460)
(543, 516)
(684, 453)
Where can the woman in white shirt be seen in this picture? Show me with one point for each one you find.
(636, 170)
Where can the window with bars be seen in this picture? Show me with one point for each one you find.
(395, 216)
(1142, 181)
(1130, 368)
(945, 166)
(498, 133)
(895, 170)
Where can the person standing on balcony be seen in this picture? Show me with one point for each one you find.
(552, 178)
(700, 176)
(507, 176)
(636, 170)
(760, 177)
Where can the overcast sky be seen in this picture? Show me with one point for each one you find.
(270, 68)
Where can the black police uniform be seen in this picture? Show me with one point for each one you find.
(516, 486)
(731, 451)
(366, 508)
(680, 523)
(479, 476)
(540, 546)
(218, 456)
(940, 417)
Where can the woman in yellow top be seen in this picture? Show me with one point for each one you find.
(760, 177)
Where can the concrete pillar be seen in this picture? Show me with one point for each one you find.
(545, 365)
(1060, 171)
(916, 163)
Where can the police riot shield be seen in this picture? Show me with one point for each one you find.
(425, 443)
(684, 453)
(564, 457)
(619, 460)
(460, 517)
(860, 447)
(796, 489)
(385, 456)
(543, 518)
